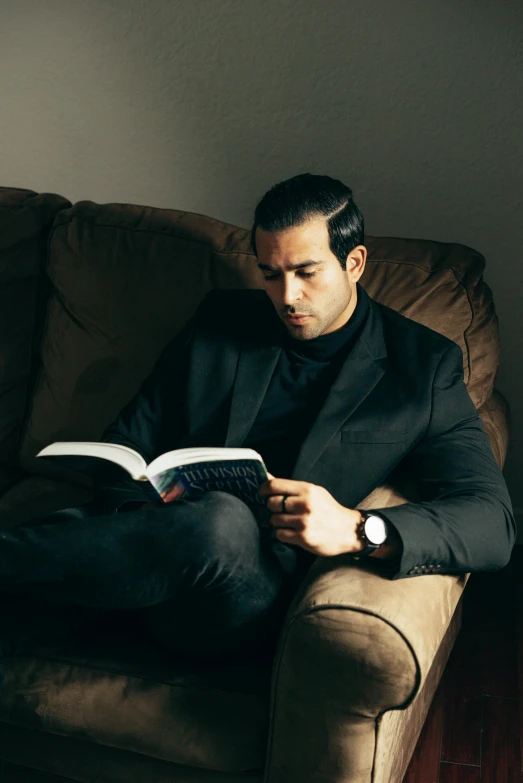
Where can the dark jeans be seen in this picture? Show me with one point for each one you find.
(199, 576)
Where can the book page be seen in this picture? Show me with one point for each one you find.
(127, 458)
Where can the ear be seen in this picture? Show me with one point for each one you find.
(356, 262)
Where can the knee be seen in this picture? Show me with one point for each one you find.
(221, 526)
(224, 517)
(223, 505)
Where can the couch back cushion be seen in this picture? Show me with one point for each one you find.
(25, 221)
(127, 278)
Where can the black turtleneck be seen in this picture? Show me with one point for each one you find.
(302, 378)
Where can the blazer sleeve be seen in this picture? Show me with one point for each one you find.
(151, 423)
(464, 522)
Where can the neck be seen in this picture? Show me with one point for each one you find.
(346, 315)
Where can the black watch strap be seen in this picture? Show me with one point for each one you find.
(369, 546)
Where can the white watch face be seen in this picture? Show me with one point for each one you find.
(375, 530)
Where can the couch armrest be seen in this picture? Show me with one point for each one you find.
(495, 415)
(354, 645)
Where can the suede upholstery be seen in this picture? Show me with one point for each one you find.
(25, 221)
(358, 658)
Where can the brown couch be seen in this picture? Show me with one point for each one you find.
(89, 295)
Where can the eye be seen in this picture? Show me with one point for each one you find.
(301, 274)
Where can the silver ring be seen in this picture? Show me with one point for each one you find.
(283, 509)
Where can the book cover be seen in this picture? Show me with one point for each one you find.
(240, 477)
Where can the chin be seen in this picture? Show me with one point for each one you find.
(303, 334)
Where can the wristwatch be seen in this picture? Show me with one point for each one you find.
(372, 532)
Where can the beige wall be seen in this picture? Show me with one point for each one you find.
(203, 104)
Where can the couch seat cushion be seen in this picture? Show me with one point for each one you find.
(107, 684)
(23, 753)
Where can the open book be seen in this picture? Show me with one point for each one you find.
(181, 473)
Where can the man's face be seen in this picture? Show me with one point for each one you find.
(304, 280)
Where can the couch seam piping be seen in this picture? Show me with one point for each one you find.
(314, 610)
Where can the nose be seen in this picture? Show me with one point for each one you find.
(290, 290)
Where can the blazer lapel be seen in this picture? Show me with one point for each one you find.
(256, 365)
(358, 376)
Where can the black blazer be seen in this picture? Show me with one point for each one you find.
(398, 404)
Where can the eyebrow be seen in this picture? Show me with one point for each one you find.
(267, 268)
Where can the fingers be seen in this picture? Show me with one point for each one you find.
(287, 536)
(279, 486)
(286, 521)
(275, 503)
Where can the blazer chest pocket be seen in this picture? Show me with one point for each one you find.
(373, 436)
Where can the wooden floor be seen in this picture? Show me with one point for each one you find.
(472, 732)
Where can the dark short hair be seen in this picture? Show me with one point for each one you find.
(296, 200)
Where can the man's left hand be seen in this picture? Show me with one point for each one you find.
(313, 519)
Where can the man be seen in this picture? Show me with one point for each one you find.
(335, 391)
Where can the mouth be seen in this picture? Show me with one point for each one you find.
(296, 319)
